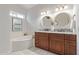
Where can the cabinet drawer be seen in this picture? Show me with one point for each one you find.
(52, 45)
(36, 41)
(38, 34)
(70, 47)
(66, 44)
(72, 43)
(73, 37)
(36, 37)
(37, 44)
(67, 36)
(72, 50)
(43, 37)
(57, 36)
(70, 37)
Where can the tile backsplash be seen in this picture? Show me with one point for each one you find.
(63, 30)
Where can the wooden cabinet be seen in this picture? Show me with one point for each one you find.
(41, 40)
(70, 44)
(57, 43)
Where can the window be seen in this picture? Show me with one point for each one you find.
(16, 24)
(16, 21)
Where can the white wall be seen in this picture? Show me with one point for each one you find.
(76, 12)
(34, 14)
(6, 33)
(4, 30)
(22, 11)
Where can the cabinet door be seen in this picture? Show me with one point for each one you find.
(56, 43)
(41, 40)
(70, 44)
(70, 49)
(66, 47)
(36, 40)
(59, 46)
(52, 45)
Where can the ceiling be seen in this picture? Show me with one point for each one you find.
(28, 6)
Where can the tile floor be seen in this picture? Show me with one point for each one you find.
(32, 51)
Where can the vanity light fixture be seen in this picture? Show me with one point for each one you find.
(61, 8)
(41, 13)
(15, 14)
(48, 12)
(45, 12)
(57, 9)
(65, 7)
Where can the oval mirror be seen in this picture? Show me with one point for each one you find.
(47, 21)
(62, 19)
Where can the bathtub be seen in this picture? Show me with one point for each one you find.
(22, 43)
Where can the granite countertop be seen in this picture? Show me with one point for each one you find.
(58, 32)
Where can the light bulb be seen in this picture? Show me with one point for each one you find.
(57, 9)
(65, 7)
(48, 12)
(44, 13)
(41, 13)
(61, 8)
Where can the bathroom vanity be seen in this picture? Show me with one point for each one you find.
(60, 43)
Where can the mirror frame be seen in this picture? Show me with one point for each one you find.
(65, 24)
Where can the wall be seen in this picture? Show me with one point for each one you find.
(18, 9)
(76, 12)
(34, 14)
(4, 30)
(6, 33)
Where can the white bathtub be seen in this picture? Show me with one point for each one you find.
(22, 43)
